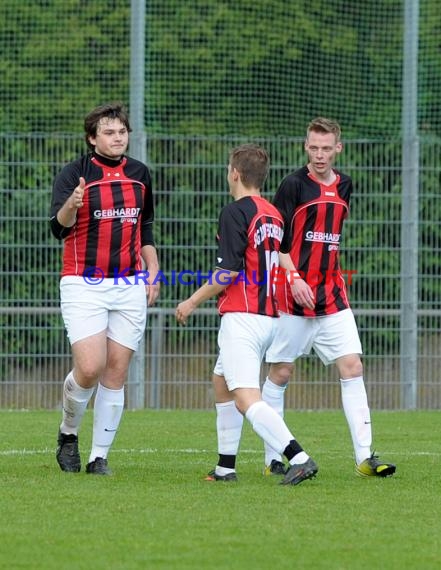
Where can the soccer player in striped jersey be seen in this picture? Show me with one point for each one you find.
(250, 232)
(102, 208)
(315, 311)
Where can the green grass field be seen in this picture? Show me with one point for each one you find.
(156, 511)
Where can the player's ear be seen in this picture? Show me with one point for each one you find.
(235, 174)
(339, 147)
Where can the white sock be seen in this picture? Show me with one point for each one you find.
(299, 459)
(269, 426)
(75, 400)
(356, 408)
(273, 395)
(108, 409)
(229, 422)
(223, 470)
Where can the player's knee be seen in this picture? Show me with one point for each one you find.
(245, 398)
(114, 377)
(87, 376)
(350, 367)
(280, 373)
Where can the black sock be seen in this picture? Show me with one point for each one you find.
(228, 461)
(293, 448)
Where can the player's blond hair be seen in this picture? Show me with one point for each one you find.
(324, 125)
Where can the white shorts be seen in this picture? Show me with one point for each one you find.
(331, 337)
(118, 308)
(243, 340)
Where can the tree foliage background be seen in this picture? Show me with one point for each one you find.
(218, 66)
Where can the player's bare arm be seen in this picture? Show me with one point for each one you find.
(150, 258)
(300, 290)
(219, 281)
(67, 214)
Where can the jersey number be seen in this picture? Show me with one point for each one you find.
(272, 263)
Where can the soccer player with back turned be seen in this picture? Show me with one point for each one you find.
(249, 236)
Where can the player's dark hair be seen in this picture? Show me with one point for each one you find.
(107, 111)
(324, 125)
(252, 162)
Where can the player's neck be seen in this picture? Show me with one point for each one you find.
(326, 177)
(242, 192)
(109, 160)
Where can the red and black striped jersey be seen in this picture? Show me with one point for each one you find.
(115, 220)
(314, 214)
(249, 237)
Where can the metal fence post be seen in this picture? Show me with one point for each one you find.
(409, 211)
(135, 381)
